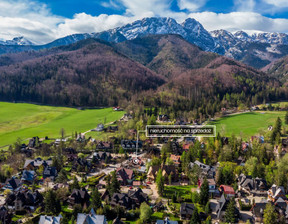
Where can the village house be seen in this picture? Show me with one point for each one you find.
(227, 190)
(186, 210)
(24, 200)
(81, 164)
(102, 156)
(104, 145)
(276, 192)
(211, 184)
(131, 144)
(36, 164)
(252, 186)
(44, 219)
(12, 184)
(166, 171)
(91, 218)
(125, 176)
(206, 170)
(79, 197)
(258, 211)
(222, 206)
(166, 221)
(50, 172)
(33, 142)
(28, 176)
(131, 200)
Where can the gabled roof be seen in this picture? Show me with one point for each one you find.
(28, 175)
(13, 182)
(187, 209)
(91, 218)
(227, 189)
(50, 219)
(258, 208)
(125, 174)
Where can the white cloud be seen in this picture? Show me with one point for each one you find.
(192, 5)
(245, 5)
(240, 21)
(277, 3)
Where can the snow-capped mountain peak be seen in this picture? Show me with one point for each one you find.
(17, 41)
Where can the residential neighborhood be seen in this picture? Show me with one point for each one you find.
(170, 180)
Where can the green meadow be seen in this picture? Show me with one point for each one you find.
(247, 124)
(22, 120)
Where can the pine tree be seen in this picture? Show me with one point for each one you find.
(204, 192)
(195, 219)
(52, 204)
(95, 199)
(75, 184)
(286, 118)
(270, 216)
(230, 212)
(115, 185)
(160, 182)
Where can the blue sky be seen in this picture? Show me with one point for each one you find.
(42, 21)
(68, 8)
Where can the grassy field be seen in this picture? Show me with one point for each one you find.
(20, 120)
(247, 124)
(182, 191)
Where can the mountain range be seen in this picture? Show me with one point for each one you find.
(94, 72)
(256, 50)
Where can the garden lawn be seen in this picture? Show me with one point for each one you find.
(183, 191)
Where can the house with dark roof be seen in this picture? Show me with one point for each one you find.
(81, 164)
(125, 176)
(252, 186)
(222, 206)
(166, 171)
(50, 172)
(12, 184)
(33, 142)
(28, 176)
(258, 211)
(131, 144)
(91, 218)
(104, 145)
(132, 199)
(186, 210)
(79, 197)
(24, 200)
(102, 156)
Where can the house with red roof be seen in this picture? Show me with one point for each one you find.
(227, 190)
